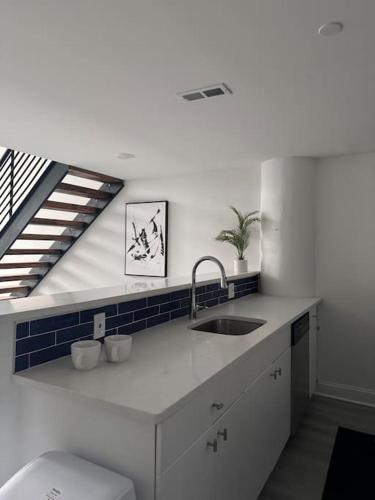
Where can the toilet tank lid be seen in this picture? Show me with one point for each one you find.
(57, 475)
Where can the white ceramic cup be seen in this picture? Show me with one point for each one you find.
(85, 354)
(118, 348)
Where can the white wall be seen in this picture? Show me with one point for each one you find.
(345, 261)
(12, 417)
(288, 189)
(198, 210)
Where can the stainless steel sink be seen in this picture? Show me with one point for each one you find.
(228, 325)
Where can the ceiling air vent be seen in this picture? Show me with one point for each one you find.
(206, 92)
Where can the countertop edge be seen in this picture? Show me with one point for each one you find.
(125, 411)
(41, 305)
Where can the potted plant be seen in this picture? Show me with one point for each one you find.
(239, 237)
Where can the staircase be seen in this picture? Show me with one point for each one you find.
(45, 206)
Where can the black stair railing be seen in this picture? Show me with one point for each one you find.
(19, 172)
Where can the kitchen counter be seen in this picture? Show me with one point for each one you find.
(169, 363)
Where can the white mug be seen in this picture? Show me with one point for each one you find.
(85, 354)
(118, 348)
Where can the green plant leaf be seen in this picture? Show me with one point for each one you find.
(239, 237)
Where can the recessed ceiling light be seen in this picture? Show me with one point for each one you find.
(330, 29)
(124, 156)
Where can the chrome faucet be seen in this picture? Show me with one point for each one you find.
(223, 283)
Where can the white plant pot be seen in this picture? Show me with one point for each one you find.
(240, 266)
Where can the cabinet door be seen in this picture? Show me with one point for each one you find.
(232, 465)
(221, 473)
(270, 415)
(191, 477)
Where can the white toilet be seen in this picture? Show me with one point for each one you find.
(58, 475)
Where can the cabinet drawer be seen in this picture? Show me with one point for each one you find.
(183, 428)
(266, 352)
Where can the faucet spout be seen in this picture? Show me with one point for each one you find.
(223, 282)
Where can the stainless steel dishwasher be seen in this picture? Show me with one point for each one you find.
(300, 369)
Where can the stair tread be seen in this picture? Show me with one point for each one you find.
(72, 189)
(58, 222)
(52, 237)
(69, 207)
(17, 265)
(21, 277)
(31, 251)
(12, 289)
(95, 176)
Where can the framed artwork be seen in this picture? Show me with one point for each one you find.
(146, 238)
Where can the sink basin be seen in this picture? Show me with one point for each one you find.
(228, 325)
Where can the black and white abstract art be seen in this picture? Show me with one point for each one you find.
(146, 226)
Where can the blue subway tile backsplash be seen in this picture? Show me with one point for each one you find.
(55, 352)
(116, 321)
(146, 313)
(131, 328)
(54, 323)
(157, 320)
(132, 305)
(169, 306)
(74, 333)
(22, 362)
(212, 302)
(47, 339)
(22, 330)
(180, 294)
(158, 299)
(212, 287)
(178, 313)
(35, 343)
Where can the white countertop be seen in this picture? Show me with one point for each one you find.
(133, 288)
(168, 362)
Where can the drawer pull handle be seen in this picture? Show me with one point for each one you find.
(212, 445)
(276, 373)
(217, 406)
(223, 434)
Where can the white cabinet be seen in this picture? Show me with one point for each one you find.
(179, 431)
(270, 418)
(217, 466)
(234, 457)
(184, 427)
(192, 476)
(232, 465)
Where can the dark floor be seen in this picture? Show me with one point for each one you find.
(301, 471)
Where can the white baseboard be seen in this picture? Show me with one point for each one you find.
(347, 393)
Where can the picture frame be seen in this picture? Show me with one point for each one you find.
(146, 238)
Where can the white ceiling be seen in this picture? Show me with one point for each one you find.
(82, 80)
